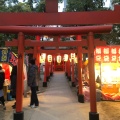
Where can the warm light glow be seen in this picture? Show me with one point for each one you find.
(65, 57)
(72, 55)
(42, 58)
(75, 60)
(49, 58)
(58, 59)
(43, 55)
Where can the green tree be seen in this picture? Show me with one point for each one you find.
(113, 38)
(84, 5)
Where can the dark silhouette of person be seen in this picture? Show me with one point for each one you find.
(32, 76)
(13, 78)
(2, 78)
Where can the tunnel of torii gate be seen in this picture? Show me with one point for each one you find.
(10, 24)
(90, 43)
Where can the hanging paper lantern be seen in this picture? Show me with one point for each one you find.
(65, 57)
(58, 59)
(72, 55)
(75, 60)
(49, 58)
(42, 58)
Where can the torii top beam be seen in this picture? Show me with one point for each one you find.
(61, 18)
(56, 30)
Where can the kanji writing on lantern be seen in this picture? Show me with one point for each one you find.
(118, 58)
(98, 51)
(106, 58)
(106, 50)
(113, 58)
(4, 55)
(98, 58)
(118, 50)
(113, 50)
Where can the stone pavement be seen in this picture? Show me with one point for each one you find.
(58, 101)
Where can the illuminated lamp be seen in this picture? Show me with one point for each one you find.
(58, 59)
(42, 58)
(72, 55)
(75, 60)
(49, 58)
(65, 57)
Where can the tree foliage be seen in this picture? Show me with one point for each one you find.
(72, 6)
(113, 38)
(85, 5)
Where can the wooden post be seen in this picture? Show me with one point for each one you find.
(80, 89)
(49, 6)
(36, 55)
(19, 96)
(73, 79)
(69, 68)
(45, 73)
(93, 115)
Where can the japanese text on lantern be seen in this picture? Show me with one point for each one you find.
(118, 54)
(107, 54)
(13, 59)
(97, 55)
(113, 54)
(4, 55)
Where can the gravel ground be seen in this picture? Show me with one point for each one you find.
(108, 110)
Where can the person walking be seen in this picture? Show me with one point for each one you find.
(33, 69)
(13, 78)
(2, 78)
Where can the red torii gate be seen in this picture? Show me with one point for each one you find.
(51, 17)
(21, 43)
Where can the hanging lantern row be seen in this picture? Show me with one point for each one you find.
(59, 58)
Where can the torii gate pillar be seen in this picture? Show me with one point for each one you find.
(19, 115)
(93, 115)
(80, 89)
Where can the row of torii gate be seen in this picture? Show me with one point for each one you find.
(52, 17)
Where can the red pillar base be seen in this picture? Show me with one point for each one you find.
(44, 84)
(66, 74)
(81, 98)
(18, 116)
(73, 84)
(51, 74)
(48, 78)
(93, 116)
(69, 78)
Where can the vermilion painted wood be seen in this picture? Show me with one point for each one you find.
(19, 95)
(79, 55)
(34, 43)
(56, 30)
(54, 51)
(61, 18)
(93, 108)
(51, 6)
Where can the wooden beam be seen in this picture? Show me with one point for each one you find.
(34, 43)
(55, 51)
(56, 30)
(11, 43)
(61, 18)
(55, 44)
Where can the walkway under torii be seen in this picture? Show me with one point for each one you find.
(52, 17)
